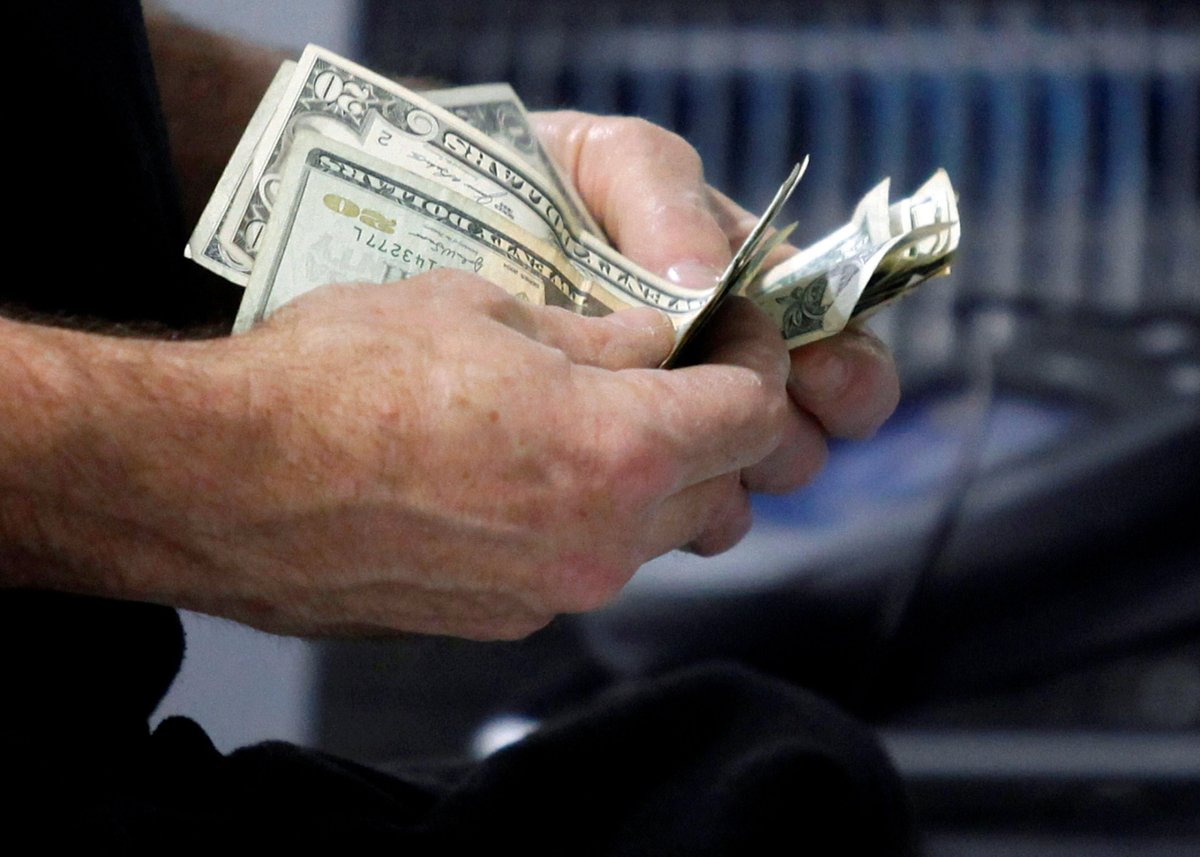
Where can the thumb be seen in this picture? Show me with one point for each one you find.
(646, 186)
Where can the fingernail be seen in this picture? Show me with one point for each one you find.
(642, 318)
(822, 377)
(693, 275)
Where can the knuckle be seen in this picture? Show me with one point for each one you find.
(773, 413)
(484, 296)
(776, 357)
(777, 406)
(464, 286)
(635, 472)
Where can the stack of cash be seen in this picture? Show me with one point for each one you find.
(344, 175)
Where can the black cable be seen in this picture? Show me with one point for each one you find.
(900, 604)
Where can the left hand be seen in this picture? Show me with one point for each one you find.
(645, 186)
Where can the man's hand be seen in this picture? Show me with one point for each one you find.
(432, 455)
(646, 187)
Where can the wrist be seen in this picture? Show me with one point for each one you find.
(105, 454)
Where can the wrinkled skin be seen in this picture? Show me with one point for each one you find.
(431, 455)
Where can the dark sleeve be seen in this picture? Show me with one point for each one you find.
(99, 235)
(93, 237)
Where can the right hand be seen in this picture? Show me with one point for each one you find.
(435, 456)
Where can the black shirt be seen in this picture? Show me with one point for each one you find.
(101, 235)
(98, 242)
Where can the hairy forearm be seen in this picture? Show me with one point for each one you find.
(99, 438)
(210, 84)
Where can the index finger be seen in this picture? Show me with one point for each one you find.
(702, 421)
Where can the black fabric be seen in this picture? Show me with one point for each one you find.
(712, 761)
(82, 672)
(715, 761)
(97, 240)
(100, 235)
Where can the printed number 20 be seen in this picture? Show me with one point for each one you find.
(374, 219)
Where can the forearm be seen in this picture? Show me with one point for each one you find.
(210, 84)
(99, 438)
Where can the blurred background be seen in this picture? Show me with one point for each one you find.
(1006, 580)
